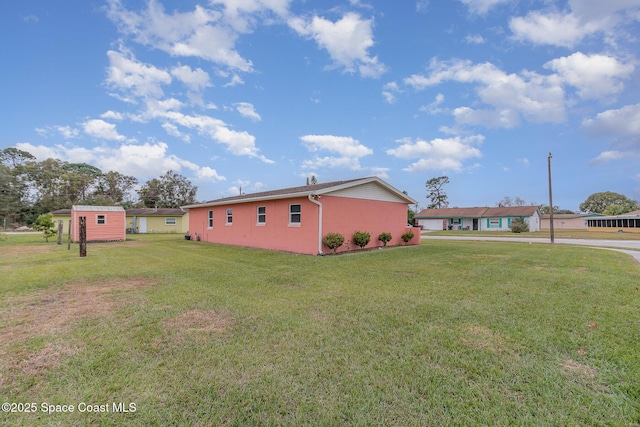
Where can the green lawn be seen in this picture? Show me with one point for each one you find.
(445, 333)
(559, 234)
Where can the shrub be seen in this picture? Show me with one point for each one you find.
(45, 224)
(361, 238)
(333, 241)
(519, 225)
(407, 236)
(384, 238)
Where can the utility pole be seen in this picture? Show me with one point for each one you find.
(550, 200)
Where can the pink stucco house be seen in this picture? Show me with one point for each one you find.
(104, 223)
(296, 219)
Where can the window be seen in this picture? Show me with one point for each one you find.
(169, 221)
(456, 221)
(262, 215)
(294, 214)
(229, 216)
(210, 219)
(101, 219)
(494, 222)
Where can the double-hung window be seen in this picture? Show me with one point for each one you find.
(229, 216)
(262, 215)
(210, 218)
(295, 214)
(101, 219)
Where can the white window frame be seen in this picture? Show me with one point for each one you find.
(102, 217)
(210, 219)
(494, 222)
(293, 223)
(168, 221)
(229, 212)
(261, 215)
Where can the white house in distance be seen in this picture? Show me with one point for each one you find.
(479, 219)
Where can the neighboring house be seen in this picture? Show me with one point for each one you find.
(63, 215)
(566, 221)
(296, 219)
(479, 219)
(157, 220)
(628, 223)
(104, 223)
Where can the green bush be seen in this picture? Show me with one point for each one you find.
(519, 225)
(333, 241)
(384, 238)
(361, 238)
(407, 236)
(45, 224)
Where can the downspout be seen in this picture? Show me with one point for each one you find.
(312, 199)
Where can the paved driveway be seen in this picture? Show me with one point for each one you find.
(630, 247)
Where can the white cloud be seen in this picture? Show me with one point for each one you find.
(608, 156)
(620, 125)
(529, 95)
(474, 39)
(347, 41)
(133, 78)
(595, 76)
(196, 80)
(349, 151)
(247, 109)
(111, 115)
(144, 161)
(438, 154)
(586, 17)
(434, 107)
(389, 91)
(481, 7)
(98, 128)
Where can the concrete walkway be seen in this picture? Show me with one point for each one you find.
(629, 247)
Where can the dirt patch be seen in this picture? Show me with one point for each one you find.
(485, 339)
(578, 369)
(50, 314)
(201, 321)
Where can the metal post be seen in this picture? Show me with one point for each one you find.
(551, 233)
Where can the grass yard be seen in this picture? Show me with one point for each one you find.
(558, 234)
(445, 333)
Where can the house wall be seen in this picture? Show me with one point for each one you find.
(347, 215)
(113, 230)
(65, 222)
(276, 233)
(340, 214)
(564, 224)
(156, 223)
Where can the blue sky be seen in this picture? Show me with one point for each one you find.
(259, 94)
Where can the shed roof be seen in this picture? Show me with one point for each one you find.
(88, 208)
(303, 191)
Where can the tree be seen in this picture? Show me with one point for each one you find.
(13, 157)
(112, 188)
(45, 224)
(544, 209)
(516, 201)
(435, 192)
(172, 190)
(601, 202)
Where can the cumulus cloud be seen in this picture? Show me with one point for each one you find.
(195, 80)
(437, 154)
(347, 41)
(98, 128)
(349, 151)
(134, 79)
(620, 125)
(247, 110)
(481, 7)
(567, 28)
(534, 97)
(144, 161)
(595, 76)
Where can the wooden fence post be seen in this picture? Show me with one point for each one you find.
(60, 226)
(69, 237)
(83, 236)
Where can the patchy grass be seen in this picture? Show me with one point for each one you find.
(559, 234)
(446, 333)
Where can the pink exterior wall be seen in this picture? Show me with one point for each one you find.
(113, 230)
(340, 214)
(346, 216)
(276, 233)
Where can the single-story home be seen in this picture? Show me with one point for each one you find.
(104, 223)
(157, 220)
(296, 219)
(577, 221)
(627, 223)
(63, 215)
(479, 219)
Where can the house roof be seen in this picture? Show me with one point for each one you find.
(485, 212)
(570, 216)
(156, 211)
(304, 191)
(628, 215)
(87, 208)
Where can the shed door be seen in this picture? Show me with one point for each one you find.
(142, 225)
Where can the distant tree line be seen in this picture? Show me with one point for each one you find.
(29, 188)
